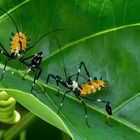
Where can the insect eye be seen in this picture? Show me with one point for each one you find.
(69, 82)
(21, 51)
(95, 78)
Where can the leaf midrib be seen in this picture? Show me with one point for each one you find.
(13, 9)
(84, 39)
(89, 37)
(96, 108)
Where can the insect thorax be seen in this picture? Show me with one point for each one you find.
(92, 86)
(18, 44)
(73, 86)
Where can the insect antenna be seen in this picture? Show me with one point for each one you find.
(14, 24)
(10, 18)
(63, 61)
(43, 37)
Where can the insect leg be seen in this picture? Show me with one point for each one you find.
(36, 77)
(57, 79)
(28, 65)
(34, 64)
(37, 71)
(23, 59)
(86, 116)
(4, 50)
(61, 104)
(107, 107)
(79, 70)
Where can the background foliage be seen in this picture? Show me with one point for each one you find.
(102, 33)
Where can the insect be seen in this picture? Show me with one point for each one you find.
(20, 45)
(80, 90)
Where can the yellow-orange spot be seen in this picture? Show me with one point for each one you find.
(18, 42)
(85, 89)
(92, 87)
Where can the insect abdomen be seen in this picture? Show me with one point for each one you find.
(18, 42)
(92, 87)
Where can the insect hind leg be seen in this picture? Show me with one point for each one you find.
(108, 108)
(86, 114)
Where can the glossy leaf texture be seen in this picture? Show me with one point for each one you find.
(105, 35)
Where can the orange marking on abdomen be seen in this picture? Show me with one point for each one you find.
(92, 87)
(19, 42)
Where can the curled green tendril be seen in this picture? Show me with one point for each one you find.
(8, 114)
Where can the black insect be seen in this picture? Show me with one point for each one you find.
(80, 90)
(19, 47)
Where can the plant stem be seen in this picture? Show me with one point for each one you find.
(23, 135)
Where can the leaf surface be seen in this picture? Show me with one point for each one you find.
(105, 35)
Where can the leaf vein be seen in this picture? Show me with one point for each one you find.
(126, 102)
(13, 9)
(89, 37)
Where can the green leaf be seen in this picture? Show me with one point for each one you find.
(105, 35)
(38, 108)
